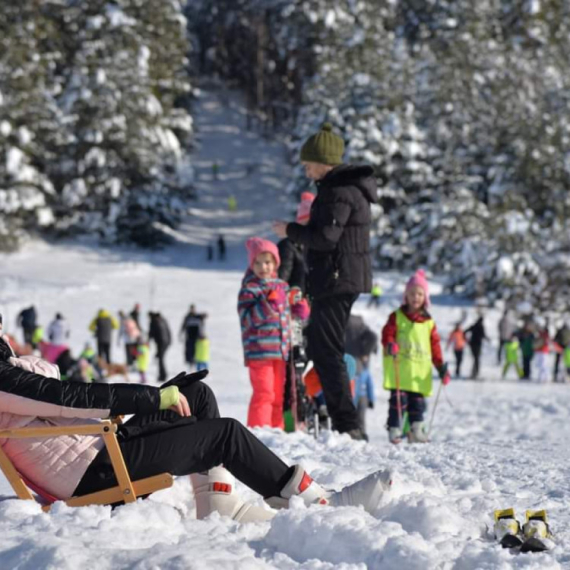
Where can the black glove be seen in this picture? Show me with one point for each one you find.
(371, 405)
(184, 379)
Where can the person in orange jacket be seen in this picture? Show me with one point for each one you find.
(457, 341)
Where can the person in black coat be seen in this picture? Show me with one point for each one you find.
(192, 327)
(476, 335)
(159, 331)
(337, 241)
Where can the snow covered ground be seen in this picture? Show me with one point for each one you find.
(495, 444)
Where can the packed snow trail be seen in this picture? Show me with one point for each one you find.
(497, 445)
(251, 169)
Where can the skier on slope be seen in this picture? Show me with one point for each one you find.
(411, 346)
(176, 429)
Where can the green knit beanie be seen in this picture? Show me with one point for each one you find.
(323, 147)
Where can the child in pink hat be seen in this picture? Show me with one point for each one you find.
(263, 309)
(304, 208)
(411, 347)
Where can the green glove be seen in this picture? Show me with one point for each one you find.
(169, 397)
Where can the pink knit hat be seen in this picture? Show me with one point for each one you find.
(418, 279)
(304, 208)
(256, 245)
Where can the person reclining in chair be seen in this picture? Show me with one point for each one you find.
(176, 428)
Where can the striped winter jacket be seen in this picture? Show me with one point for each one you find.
(264, 331)
(31, 400)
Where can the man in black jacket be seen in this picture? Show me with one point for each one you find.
(337, 241)
(159, 331)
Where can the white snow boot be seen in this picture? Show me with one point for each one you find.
(395, 435)
(366, 492)
(214, 490)
(300, 485)
(418, 433)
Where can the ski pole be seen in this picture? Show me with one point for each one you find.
(292, 377)
(435, 408)
(398, 392)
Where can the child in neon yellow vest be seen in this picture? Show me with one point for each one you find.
(411, 346)
(202, 353)
(512, 348)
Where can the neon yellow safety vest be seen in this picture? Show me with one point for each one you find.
(376, 291)
(143, 357)
(414, 359)
(37, 335)
(567, 357)
(512, 351)
(202, 350)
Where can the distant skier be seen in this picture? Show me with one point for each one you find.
(27, 320)
(191, 329)
(375, 296)
(457, 342)
(58, 330)
(512, 349)
(542, 348)
(364, 396)
(202, 352)
(411, 347)
(210, 252)
(159, 332)
(263, 309)
(507, 327)
(142, 358)
(562, 338)
(135, 314)
(526, 337)
(337, 241)
(476, 335)
(221, 248)
(102, 327)
(129, 332)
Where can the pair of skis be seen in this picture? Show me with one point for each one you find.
(533, 536)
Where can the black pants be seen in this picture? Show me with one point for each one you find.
(165, 442)
(325, 335)
(28, 335)
(190, 348)
(104, 350)
(130, 352)
(160, 353)
(557, 360)
(526, 366)
(411, 402)
(476, 352)
(458, 361)
(500, 350)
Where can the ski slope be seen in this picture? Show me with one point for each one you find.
(495, 444)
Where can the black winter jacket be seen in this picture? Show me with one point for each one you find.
(337, 236)
(159, 331)
(293, 267)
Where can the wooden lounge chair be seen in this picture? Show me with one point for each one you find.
(126, 491)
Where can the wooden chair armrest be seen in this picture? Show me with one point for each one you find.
(102, 428)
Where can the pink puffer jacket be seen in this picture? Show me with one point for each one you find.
(55, 464)
(31, 396)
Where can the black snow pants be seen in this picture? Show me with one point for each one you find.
(104, 350)
(326, 337)
(165, 442)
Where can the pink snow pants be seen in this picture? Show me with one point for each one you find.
(268, 382)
